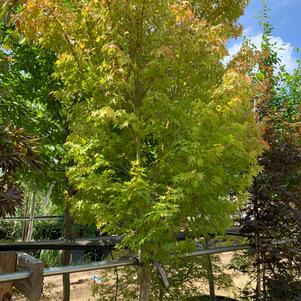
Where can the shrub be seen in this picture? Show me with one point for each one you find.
(10, 230)
(51, 257)
(48, 230)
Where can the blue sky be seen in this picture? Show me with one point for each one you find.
(285, 17)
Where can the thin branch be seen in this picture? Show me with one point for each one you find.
(141, 23)
(108, 5)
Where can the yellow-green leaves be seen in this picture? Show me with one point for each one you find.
(161, 134)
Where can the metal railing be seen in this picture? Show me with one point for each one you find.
(8, 277)
(35, 218)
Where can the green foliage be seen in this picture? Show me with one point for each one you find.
(85, 230)
(44, 230)
(10, 231)
(160, 133)
(287, 98)
(26, 83)
(51, 258)
(188, 277)
(47, 230)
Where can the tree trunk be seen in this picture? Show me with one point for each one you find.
(25, 223)
(30, 225)
(264, 280)
(145, 279)
(67, 254)
(210, 279)
(66, 277)
(210, 275)
(257, 246)
(258, 267)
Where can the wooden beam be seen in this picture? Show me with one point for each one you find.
(31, 287)
(8, 263)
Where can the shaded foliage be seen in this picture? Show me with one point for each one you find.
(17, 151)
(10, 231)
(27, 102)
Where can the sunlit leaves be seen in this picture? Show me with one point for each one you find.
(160, 132)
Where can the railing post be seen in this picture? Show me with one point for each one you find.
(32, 286)
(8, 262)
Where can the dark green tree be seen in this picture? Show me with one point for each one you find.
(27, 102)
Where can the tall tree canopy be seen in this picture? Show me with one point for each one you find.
(162, 137)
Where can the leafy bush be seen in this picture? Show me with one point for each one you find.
(51, 257)
(10, 231)
(48, 230)
(88, 230)
(55, 230)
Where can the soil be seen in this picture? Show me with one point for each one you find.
(81, 284)
(80, 288)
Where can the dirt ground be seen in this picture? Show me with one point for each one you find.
(80, 287)
(239, 281)
(81, 284)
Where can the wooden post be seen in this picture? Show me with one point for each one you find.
(32, 287)
(8, 262)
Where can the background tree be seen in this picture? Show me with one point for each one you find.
(27, 82)
(273, 214)
(160, 132)
(18, 150)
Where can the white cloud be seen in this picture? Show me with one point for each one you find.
(285, 50)
(248, 31)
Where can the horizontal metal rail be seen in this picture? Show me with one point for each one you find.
(36, 218)
(8, 277)
(217, 250)
(90, 266)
